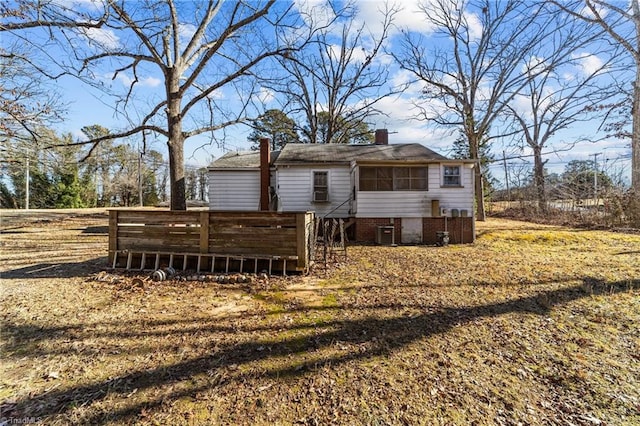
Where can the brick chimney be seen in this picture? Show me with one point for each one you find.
(382, 137)
(265, 162)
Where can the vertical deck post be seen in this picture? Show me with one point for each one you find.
(301, 242)
(204, 232)
(113, 236)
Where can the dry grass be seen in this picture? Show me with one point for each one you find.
(531, 325)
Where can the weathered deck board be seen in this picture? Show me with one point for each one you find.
(247, 234)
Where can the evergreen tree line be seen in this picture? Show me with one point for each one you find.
(66, 177)
(281, 129)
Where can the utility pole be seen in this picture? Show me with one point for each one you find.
(506, 174)
(595, 178)
(26, 201)
(140, 178)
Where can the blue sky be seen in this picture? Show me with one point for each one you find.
(89, 106)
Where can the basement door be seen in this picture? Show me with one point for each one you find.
(411, 230)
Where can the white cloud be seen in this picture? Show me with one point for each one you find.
(412, 18)
(534, 65)
(266, 95)
(150, 82)
(216, 95)
(126, 80)
(106, 39)
(77, 5)
(406, 78)
(600, 9)
(408, 16)
(400, 119)
(587, 63)
(474, 25)
(315, 12)
(359, 54)
(186, 31)
(522, 103)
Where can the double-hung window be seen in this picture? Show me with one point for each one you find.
(451, 176)
(320, 187)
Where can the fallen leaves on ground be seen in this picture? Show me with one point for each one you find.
(530, 325)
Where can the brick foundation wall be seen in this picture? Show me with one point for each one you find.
(460, 229)
(366, 228)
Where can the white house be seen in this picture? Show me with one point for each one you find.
(406, 191)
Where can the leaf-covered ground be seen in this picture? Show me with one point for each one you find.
(530, 325)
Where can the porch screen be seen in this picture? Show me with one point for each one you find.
(393, 178)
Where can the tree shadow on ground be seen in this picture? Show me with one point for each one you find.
(372, 336)
(58, 269)
(100, 230)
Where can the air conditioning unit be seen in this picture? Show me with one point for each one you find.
(320, 196)
(444, 211)
(385, 235)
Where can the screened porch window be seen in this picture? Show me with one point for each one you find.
(393, 179)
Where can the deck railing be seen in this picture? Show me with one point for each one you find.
(203, 238)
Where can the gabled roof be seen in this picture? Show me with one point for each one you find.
(345, 154)
(300, 153)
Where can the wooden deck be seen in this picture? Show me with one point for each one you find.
(210, 240)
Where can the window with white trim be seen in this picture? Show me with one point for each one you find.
(320, 187)
(451, 176)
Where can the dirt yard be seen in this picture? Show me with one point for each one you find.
(530, 325)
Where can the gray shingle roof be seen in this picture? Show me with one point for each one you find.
(299, 153)
(335, 153)
(241, 159)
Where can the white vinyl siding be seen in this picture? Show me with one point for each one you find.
(418, 203)
(392, 204)
(295, 189)
(234, 190)
(455, 197)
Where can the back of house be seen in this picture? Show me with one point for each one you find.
(387, 193)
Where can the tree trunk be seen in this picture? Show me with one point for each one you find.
(538, 178)
(474, 150)
(635, 134)
(176, 175)
(635, 107)
(176, 145)
(479, 188)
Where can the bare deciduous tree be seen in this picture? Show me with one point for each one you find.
(26, 14)
(474, 63)
(336, 82)
(194, 49)
(27, 102)
(621, 21)
(565, 94)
